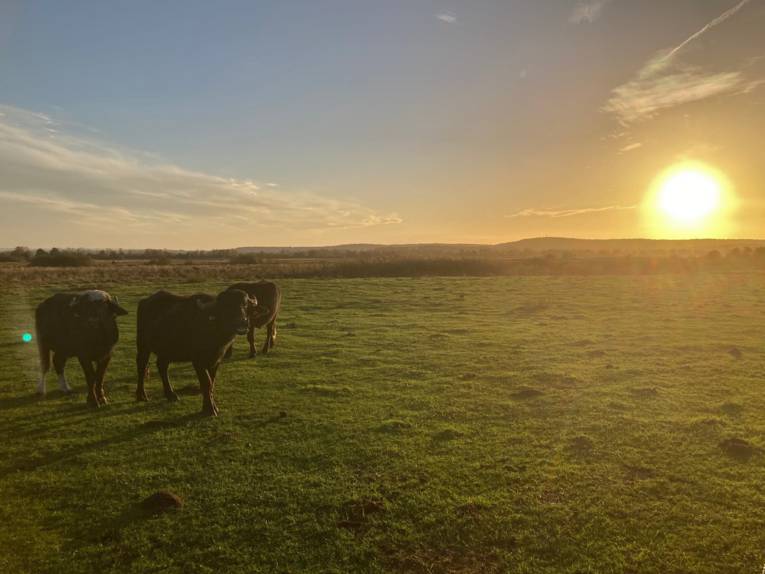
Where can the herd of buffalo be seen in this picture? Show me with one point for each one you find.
(198, 329)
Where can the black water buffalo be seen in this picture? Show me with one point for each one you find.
(198, 329)
(80, 325)
(269, 298)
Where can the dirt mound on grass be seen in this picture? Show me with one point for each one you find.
(581, 445)
(527, 393)
(738, 448)
(162, 501)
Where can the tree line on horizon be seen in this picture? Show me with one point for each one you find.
(402, 262)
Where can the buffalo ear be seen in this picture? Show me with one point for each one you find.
(116, 308)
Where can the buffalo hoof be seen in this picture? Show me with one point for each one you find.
(209, 411)
(93, 402)
(172, 396)
(102, 400)
(141, 396)
(253, 355)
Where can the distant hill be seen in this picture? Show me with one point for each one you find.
(536, 244)
(628, 245)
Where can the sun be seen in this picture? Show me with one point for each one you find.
(690, 199)
(690, 195)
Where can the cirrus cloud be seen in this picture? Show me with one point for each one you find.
(104, 195)
(664, 83)
(556, 213)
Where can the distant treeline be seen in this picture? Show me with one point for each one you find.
(392, 264)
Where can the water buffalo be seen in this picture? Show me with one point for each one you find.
(198, 329)
(78, 325)
(269, 298)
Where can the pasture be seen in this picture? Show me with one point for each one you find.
(517, 424)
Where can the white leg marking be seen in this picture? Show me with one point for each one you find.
(63, 384)
(41, 383)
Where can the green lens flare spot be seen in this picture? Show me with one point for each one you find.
(27, 337)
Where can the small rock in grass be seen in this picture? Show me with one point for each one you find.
(162, 501)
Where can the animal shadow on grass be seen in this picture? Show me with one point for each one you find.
(7, 404)
(69, 455)
(59, 422)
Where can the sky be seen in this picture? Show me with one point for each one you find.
(193, 124)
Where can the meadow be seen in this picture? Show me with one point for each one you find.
(495, 424)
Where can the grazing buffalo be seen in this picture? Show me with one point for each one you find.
(198, 329)
(269, 298)
(78, 325)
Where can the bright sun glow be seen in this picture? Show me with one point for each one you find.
(689, 195)
(690, 199)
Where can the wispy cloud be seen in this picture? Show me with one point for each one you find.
(663, 83)
(555, 213)
(708, 26)
(447, 18)
(631, 147)
(587, 12)
(66, 181)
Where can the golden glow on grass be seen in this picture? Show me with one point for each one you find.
(690, 199)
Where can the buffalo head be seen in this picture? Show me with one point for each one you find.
(95, 307)
(230, 310)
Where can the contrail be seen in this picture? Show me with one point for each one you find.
(717, 21)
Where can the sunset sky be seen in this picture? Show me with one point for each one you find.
(203, 125)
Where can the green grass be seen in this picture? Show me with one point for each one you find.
(538, 425)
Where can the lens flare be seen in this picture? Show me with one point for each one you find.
(27, 337)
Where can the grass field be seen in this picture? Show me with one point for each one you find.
(537, 425)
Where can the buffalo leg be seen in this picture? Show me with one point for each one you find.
(229, 351)
(59, 362)
(251, 341)
(162, 366)
(206, 384)
(44, 352)
(270, 335)
(101, 366)
(90, 377)
(142, 366)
